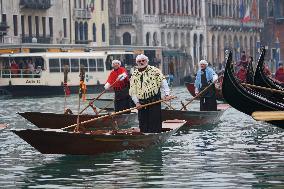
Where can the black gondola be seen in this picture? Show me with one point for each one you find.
(245, 99)
(260, 79)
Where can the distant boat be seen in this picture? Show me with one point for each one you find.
(55, 141)
(45, 75)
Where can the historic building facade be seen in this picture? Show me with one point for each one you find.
(272, 12)
(54, 22)
(203, 29)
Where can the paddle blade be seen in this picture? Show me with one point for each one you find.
(268, 115)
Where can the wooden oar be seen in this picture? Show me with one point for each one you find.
(170, 106)
(94, 99)
(117, 113)
(268, 115)
(198, 95)
(65, 79)
(263, 88)
(106, 106)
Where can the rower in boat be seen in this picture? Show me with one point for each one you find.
(145, 84)
(119, 81)
(206, 76)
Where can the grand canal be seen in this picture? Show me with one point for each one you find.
(237, 152)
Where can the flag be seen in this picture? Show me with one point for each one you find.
(254, 9)
(83, 90)
(66, 89)
(246, 17)
(242, 9)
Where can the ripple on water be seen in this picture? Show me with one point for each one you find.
(237, 152)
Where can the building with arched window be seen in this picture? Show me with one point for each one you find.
(203, 29)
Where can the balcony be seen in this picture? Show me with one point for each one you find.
(36, 39)
(234, 22)
(35, 4)
(125, 19)
(172, 20)
(3, 28)
(82, 14)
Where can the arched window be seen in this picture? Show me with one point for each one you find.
(126, 38)
(270, 8)
(103, 33)
(102, 5)
(81, 31)
(126, 7)
(148, 39)
(86, 31)
(76, 31)
(94, 33)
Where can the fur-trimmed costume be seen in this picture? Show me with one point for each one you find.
(145, 87)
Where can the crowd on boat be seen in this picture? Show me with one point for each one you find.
(245, 65)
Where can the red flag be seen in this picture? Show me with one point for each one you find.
(66, 89)
(254, 9)
(246, 17)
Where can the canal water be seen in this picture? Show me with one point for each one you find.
(237, 152)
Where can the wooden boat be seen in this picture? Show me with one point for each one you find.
(195, 118)
(57, 121)
(55, 141)
(260, 79)
(245, 99)
(191, 89)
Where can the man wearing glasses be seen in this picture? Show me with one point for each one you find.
(146, 83)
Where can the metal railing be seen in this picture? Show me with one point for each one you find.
(82, 13)
(20, 73)
(125, 19)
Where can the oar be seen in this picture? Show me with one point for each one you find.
(170, 106)
(94, 99)
(263, 88)
(198, 95)
(117, 113)
(268, 115)
(65, 71)
(106, 106)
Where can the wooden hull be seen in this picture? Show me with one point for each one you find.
(194, 118)
(50, 141)
(260, 79)
(191, 89)
(57, 121)
(244, 99)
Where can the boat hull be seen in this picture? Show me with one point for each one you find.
(57, 121)
(191, 89)
(194, 118)
(43, 90)
(50, 141)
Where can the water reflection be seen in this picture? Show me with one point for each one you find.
(123, 169)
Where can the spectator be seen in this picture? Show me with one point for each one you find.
(279, 75)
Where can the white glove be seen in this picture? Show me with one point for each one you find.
(196, 91)
(107, 85)
(122, 76)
